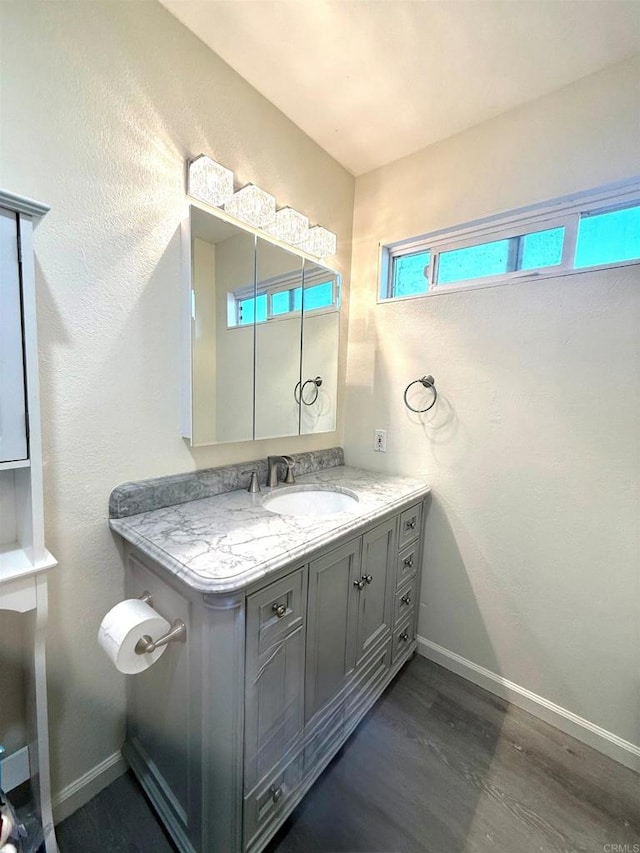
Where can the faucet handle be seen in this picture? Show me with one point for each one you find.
(289, 478)
(254, 485)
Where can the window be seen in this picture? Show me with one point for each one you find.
(411, 273)
(567, 236)
(274, 300)
(608, 237)
(251, 310)
(524, 252)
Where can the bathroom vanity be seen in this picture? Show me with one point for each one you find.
(295, 625)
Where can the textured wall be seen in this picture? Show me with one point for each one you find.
(532, 565)
(101, 104)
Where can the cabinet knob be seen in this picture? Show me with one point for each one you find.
(410, 525)
(404, 637)
(279, 610)
(409, 562)
(406, 599)
(276, 793)
(359, 583)
(367, 578)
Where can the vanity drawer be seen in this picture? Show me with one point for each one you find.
(407, 566)
(410, 525)
(267, 802)
(403, 636)
(405, 600)
(277, 610)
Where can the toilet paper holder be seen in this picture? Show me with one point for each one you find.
(177, 634)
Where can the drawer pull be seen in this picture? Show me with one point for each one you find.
(276, 793)
(410, 525)
(409, 562)
(406, 599)
(404, 637)
(359, 583)
(367, 578)
(279, 610)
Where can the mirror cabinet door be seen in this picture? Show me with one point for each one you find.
(278, 334)
(320, 339)
(222, 330)
(264, 337)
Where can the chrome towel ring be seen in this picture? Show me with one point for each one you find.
(428, 382)
(298, 392)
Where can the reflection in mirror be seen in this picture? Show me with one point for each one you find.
(222, 262)
(263, 325)
(278, 330)
(321, 329)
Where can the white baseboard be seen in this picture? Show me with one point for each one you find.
(595, 736)
(15, 769)
(75, 795)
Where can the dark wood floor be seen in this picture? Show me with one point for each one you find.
(438, 766)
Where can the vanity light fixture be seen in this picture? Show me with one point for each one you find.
(290, 226)
(320, 242)
(252, 205)
(212, 183)
(209, 181)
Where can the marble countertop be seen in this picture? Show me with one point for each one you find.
(226, 542)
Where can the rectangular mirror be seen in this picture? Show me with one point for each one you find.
(262, 323)
(222, 262)
(278, 337)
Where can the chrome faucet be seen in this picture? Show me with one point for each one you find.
(272, 466)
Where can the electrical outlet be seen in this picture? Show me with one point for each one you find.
(380, 443)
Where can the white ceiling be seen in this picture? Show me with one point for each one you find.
(373, 80)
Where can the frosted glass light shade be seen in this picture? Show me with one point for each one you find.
(320, 242)
(290, 226)
(252, 205)
(209, 181)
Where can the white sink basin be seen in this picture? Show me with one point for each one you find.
(310, 501)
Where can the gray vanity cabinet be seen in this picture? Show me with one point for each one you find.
(228, 731)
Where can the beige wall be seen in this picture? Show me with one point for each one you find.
(531, 567)
(101, 104)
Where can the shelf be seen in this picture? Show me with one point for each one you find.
(18, 463)
(24, 561)
(15, 563)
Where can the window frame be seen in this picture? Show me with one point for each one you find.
(278, 284)
(566, 212)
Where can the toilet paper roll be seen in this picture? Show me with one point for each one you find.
(121, 629)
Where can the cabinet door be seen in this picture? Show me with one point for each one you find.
(332, 623)
(274, 689)
(13, 424)
(376, 596)
(277, 359)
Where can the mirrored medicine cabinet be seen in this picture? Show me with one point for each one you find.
(262, 325)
